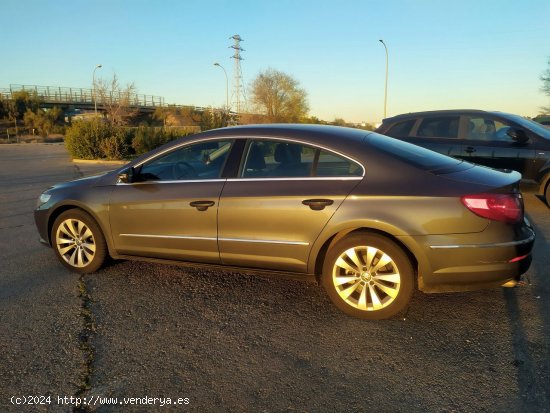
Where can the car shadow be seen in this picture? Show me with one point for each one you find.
(528, 309)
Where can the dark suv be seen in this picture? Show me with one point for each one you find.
(496, 139)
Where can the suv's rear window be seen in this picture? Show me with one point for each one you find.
(401, 129)
(439, 127)
(412, 154)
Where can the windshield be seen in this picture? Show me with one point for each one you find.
(529, 124)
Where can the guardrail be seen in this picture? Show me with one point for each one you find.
(75, 96)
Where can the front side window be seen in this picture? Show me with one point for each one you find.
(204, 160)
(439, 127)
(486, 129)
(266, 159)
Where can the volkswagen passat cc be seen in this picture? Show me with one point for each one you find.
(371, 217)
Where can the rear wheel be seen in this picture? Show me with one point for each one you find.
(368, 276)
(78, 241)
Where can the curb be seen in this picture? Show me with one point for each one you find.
(99, 162)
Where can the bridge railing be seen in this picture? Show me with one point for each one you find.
(69, 95)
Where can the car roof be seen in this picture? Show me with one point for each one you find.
(347, 140)
(310, 132)
(456, 112)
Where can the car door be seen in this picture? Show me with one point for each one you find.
(170, 209)
(286, 192)
(486, 142)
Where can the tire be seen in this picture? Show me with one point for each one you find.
(547, 193)
(359, 285)
(78, 241)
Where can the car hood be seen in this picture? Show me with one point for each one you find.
(84, 182)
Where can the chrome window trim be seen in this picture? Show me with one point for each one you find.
(260, 241)
(492, 245)
(190, 181)
(263, 137)
(305, 178)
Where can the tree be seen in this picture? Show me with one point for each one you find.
(118, 102)
(279, 96)
(43, 120)
(545, 77)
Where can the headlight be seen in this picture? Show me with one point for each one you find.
(42, 199)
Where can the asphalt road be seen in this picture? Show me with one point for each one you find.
(235, 342)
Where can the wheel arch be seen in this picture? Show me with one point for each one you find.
(77, 205)
(320, 257)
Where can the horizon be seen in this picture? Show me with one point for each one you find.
(485, 56)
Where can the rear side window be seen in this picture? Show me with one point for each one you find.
(401, 129)
(439, 127)
(266, 159)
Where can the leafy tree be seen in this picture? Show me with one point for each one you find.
(279, 96)
(43, 120)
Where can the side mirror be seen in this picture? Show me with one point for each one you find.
(518, 135)
(126, 176)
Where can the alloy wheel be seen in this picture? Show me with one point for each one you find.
(366, 278)
(75, 242)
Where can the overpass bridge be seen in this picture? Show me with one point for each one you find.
(79, 98)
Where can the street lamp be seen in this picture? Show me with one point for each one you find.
(386, 87)
(226, 86)
(93, 88)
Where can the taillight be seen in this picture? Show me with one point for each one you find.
(498, 207)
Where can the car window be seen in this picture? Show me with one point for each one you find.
(487, 129)
(202, 160)
(401, 129)
(285, 159)
(330, 164)
(278, 159)
(439, 127)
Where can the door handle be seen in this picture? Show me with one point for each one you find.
(317, 204)
(470, 149)
(202, 205)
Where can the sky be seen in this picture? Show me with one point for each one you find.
(481, 54)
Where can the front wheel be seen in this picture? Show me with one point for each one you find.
(78, 241)
(368, 276)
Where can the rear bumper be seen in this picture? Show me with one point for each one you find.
(465, 265)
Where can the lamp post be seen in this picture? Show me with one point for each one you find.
(93, 88)
(226, 86)
(386, 86)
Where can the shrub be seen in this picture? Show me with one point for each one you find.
(147, 138)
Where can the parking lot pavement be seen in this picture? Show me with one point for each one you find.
(234, 342)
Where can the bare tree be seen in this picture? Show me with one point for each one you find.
(119, 103)
(279, 97)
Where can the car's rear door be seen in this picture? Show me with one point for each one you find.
(285, 193)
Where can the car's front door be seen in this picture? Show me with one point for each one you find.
(285, 194)
(170, 210)
(486, 142)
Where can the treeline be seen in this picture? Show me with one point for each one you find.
(24, 109)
